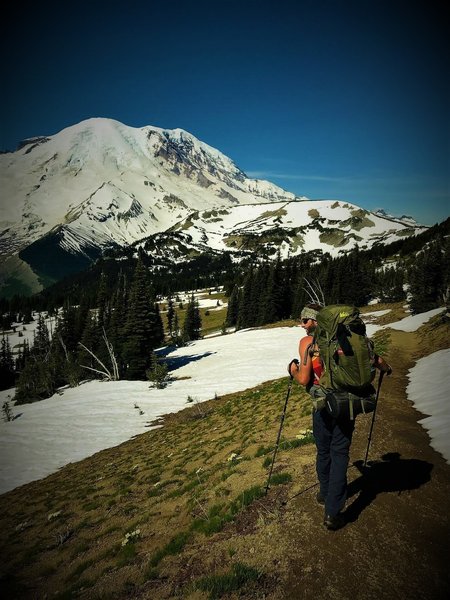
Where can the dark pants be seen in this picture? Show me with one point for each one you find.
(333, 439)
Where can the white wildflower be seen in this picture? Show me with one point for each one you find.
(131, 536)
(54, 515)
(234, 457)
(304, 433)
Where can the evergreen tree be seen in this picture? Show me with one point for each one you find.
(170, 314)
(428, 277)
(176, 331)
(22, 356)
(192, 321)
(81, 315)
(272, 300)
(143, 329)
(67, 327)
(233, 307)
(118, 319)
(260, 296)
(7, 371)
(27, 317)
(157, 373)
(390, 284)
(248, 306)
(39, 374)
(103, 302)
(35, 382)
(41, 344)
(361, 274)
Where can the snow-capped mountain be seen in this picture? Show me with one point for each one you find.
(101, 184)
(406, 219)
(284, 228)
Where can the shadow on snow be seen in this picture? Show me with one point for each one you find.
(177, 362)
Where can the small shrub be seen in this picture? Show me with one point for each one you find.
(262, 450)
(175, 546)
(280, 478)
(80, 569)
(246, 498)
(7, 412)
(219, 585)
(212, 525)
(157, 373)
(127, 553)
(267, 462)
(303, 440)
(151, 573)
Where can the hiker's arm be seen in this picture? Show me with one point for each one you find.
(382, 365)
(302, 372)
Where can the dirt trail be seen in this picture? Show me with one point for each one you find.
(397, 540)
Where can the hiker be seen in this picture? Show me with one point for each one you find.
(332, 436)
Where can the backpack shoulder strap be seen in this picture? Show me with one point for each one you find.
(308, 351)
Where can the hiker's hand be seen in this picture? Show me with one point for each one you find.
(295, 362)
(383, 366)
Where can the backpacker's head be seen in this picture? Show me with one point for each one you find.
(308, 317)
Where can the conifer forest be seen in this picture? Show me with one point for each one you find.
(108, 321)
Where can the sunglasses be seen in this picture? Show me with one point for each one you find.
(304, 321)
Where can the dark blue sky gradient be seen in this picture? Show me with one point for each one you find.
(330, 99)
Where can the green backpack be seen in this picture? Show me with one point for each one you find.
(348, 359)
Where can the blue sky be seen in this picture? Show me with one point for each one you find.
(329, 99)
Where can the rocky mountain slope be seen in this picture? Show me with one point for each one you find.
(100, 184)
(103, 182)
(285, 228)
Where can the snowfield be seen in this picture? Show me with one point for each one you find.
(75, 424)
(97, 415)
(428, 389)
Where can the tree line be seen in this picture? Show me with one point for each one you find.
(275, 291)
(116, 339)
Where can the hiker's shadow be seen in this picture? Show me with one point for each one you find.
(391, 474)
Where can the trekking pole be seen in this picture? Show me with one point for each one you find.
(380, 379)
(279, 433)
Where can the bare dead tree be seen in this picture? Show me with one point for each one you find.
(314, 292)
(112, 356)
(110, 376)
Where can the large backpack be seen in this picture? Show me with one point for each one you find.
(348, 360)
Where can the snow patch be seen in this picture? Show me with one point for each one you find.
(429, 390)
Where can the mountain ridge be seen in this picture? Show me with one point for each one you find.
(101, 184)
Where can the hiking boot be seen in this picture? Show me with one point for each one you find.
(320, 499)
(334, 522)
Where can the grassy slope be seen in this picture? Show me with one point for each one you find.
(212, 318)
(205, 526)
(174, 480)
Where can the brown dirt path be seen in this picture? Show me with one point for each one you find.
(397, 541)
